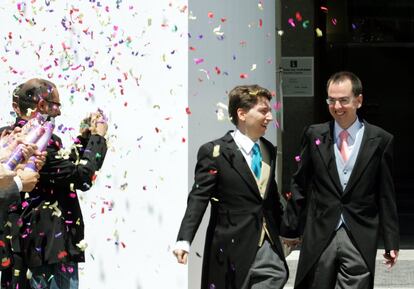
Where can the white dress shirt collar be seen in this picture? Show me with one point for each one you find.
(352, 131)
(244, 142)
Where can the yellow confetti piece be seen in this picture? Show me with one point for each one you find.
(318, 32)
(216, 151)
(82, 245)
(56, 211)
(29, 274)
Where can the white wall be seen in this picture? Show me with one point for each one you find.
(144, 76)
(139, 78)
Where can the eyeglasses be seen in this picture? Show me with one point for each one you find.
(342, 100)
(55, 104)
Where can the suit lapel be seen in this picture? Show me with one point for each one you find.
(325, 147)
(236, 159)
(367, 149)
(271, 152)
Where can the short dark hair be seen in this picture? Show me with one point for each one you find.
(27, 95)
(245, 97)
(344, 75)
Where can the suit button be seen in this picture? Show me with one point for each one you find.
(345, 172)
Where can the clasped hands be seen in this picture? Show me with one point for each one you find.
(9, 140)
(96, 124)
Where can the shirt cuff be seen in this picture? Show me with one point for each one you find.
(182, 245)
(18, 182)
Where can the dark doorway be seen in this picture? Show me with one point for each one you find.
(375, 40)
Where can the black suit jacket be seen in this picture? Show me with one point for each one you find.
(48, 225)
(223, 178)
(367, 203)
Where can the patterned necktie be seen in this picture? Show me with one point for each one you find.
(256, 161)
(344, 145)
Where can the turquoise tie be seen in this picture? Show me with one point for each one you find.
(256, 161)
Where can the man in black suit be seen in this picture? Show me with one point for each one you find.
(11, 184)
(344, 180)
(47, 229)
(236, 174)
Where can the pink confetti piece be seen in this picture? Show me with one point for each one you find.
(198, 60)
(334, 21)
(324, 9)
(260, 23)
(297, 158)
(210, 15)
(277, 106)
(291, 22)
(244, 75)
(317, 141)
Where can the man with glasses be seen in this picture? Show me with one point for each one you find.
(49, 233)
(344, 179)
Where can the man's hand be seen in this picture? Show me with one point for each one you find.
(181, 256)
(6, 177)
(99, 124)
(28, 150)
(9, 142)
(40, 159)
(29, 179)
(390, 258)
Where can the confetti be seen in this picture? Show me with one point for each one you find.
(318, 32)
(244, 75)
(217, 31)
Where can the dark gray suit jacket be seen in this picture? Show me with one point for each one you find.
(367, 203)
